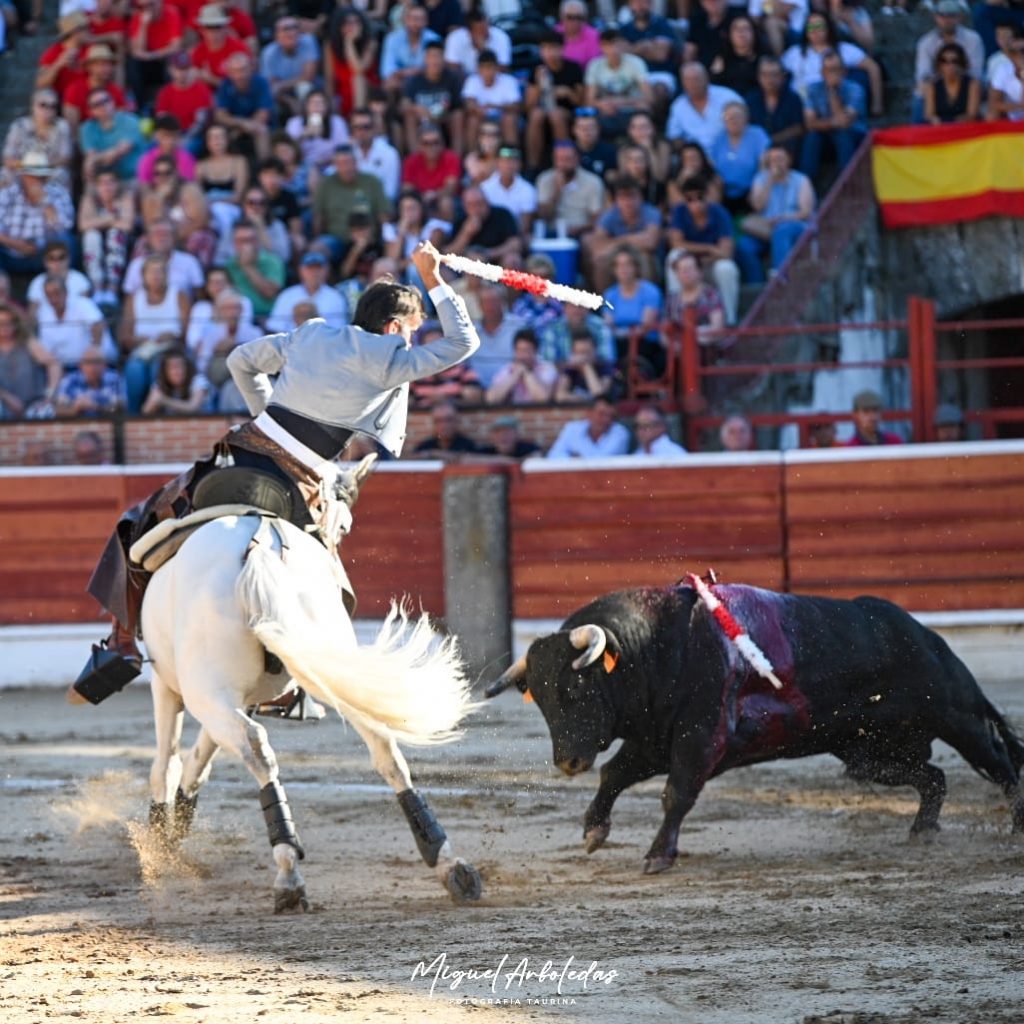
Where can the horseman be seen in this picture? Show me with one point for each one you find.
(329, 383)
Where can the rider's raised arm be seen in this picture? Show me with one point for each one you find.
(252, 364)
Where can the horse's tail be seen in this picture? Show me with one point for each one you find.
(408, 683)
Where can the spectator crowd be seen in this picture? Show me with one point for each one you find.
(190, 176)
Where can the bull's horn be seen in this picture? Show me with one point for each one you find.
(508, 678)
(591, 637)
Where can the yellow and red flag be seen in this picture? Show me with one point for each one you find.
(946, 173)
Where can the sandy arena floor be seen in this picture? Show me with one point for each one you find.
(799, 896)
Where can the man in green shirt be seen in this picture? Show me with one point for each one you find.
(256, 273)
(338, 195)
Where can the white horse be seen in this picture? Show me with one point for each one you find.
(246, 585)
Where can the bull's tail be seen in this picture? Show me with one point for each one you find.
(409, 683)
(1010, 740)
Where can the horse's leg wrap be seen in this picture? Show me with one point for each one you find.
(278, 816)
(184, 811)
(426, 831)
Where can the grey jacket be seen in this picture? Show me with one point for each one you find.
(347, 377)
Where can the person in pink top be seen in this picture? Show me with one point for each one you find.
(167, 139)
(582, 40)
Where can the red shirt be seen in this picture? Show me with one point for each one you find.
(213, 61)
(112, 26)
(162, 31)
(77, 96)
(241, 24)
(415, 171)
(67, 74)
(184, 104)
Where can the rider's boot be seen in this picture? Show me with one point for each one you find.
(114, 662)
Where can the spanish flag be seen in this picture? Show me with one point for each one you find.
(946, 173)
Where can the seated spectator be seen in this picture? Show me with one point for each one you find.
(491, 229)
(202, 311)
(401, 55)
(652, 39)
(543, 315)
(413, 226)
(555, 90)
(819, 38)
(567, 195)
(184, 205)
(776, 108)
(634, 303)
(350, 61)
(834, 115)
(91, 390)
(506, 441)
(217, 45)
(111, 138)
(867, 422)
(738, 152)
(290, 63)
(1006, 91)
(255, 272)
(69, 324)
(617, 84)
(39, 131)
(586, 376)
(100, 68)
(33, 211)
(447, 442)
(853, 23)
(60, 63)
(497, 328)
(29, 372)
(705, 229)
(708, 30)
(597, 436)
(693, 293)
(652, 435)
(223, 176)
(694, 163)
(458, 384)
(374, 154)
(179, 389)
(154, 34)
(783, 202)
(582, 42)
(317, 131)
(780, 23)
(434, 172)
(508, 188)
(736, 434)
(1001, 57)
(492, 94)
(365, 249)
(273, 234)
(465, 45)
(634, 162)
(527, 380)
(580, 319)
(696, 114)
(628, 221)
(244, 105)
(736, 65)
(282, 203)
(57, 261)
(442, 15)
(223, 332)
(336, 198)
(153, 321)
(948, 29)
(641, 134)
(88, 449)
(949, 423)
(168, 143)
(952, 95)
(434, 95)
(183, 269)
(596, 155)
(821, 434)
(312, 287)
(186, 97)
(482, 159)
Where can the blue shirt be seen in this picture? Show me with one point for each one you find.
(245, 104)
(575, 442)
(398, 54)
(718, 226)
(125, 128)
(278, 66)
(739, 164)
(612, 222)
(850, 94)
(657, 28)
(108, 394)
(788, 111)
(628, 312)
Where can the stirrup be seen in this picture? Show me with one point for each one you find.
(105, 673)
(301, 708)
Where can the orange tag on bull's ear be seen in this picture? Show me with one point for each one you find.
(527, 697)
(610, 661)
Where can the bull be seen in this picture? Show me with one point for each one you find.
(861, 680)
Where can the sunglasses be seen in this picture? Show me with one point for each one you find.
(816, 24)
(46, 104)
(949, 60)
(255, 201)
(93, 104)
(362, 126)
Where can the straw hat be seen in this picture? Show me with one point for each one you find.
(36, 164)
(99, 51)
(73, 22)
(212, 16)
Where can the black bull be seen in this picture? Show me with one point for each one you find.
(862, 680)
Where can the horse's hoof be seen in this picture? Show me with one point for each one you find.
(593, 838)
(655, 865)
(290, 899)
(463, 882)
(926, 833)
